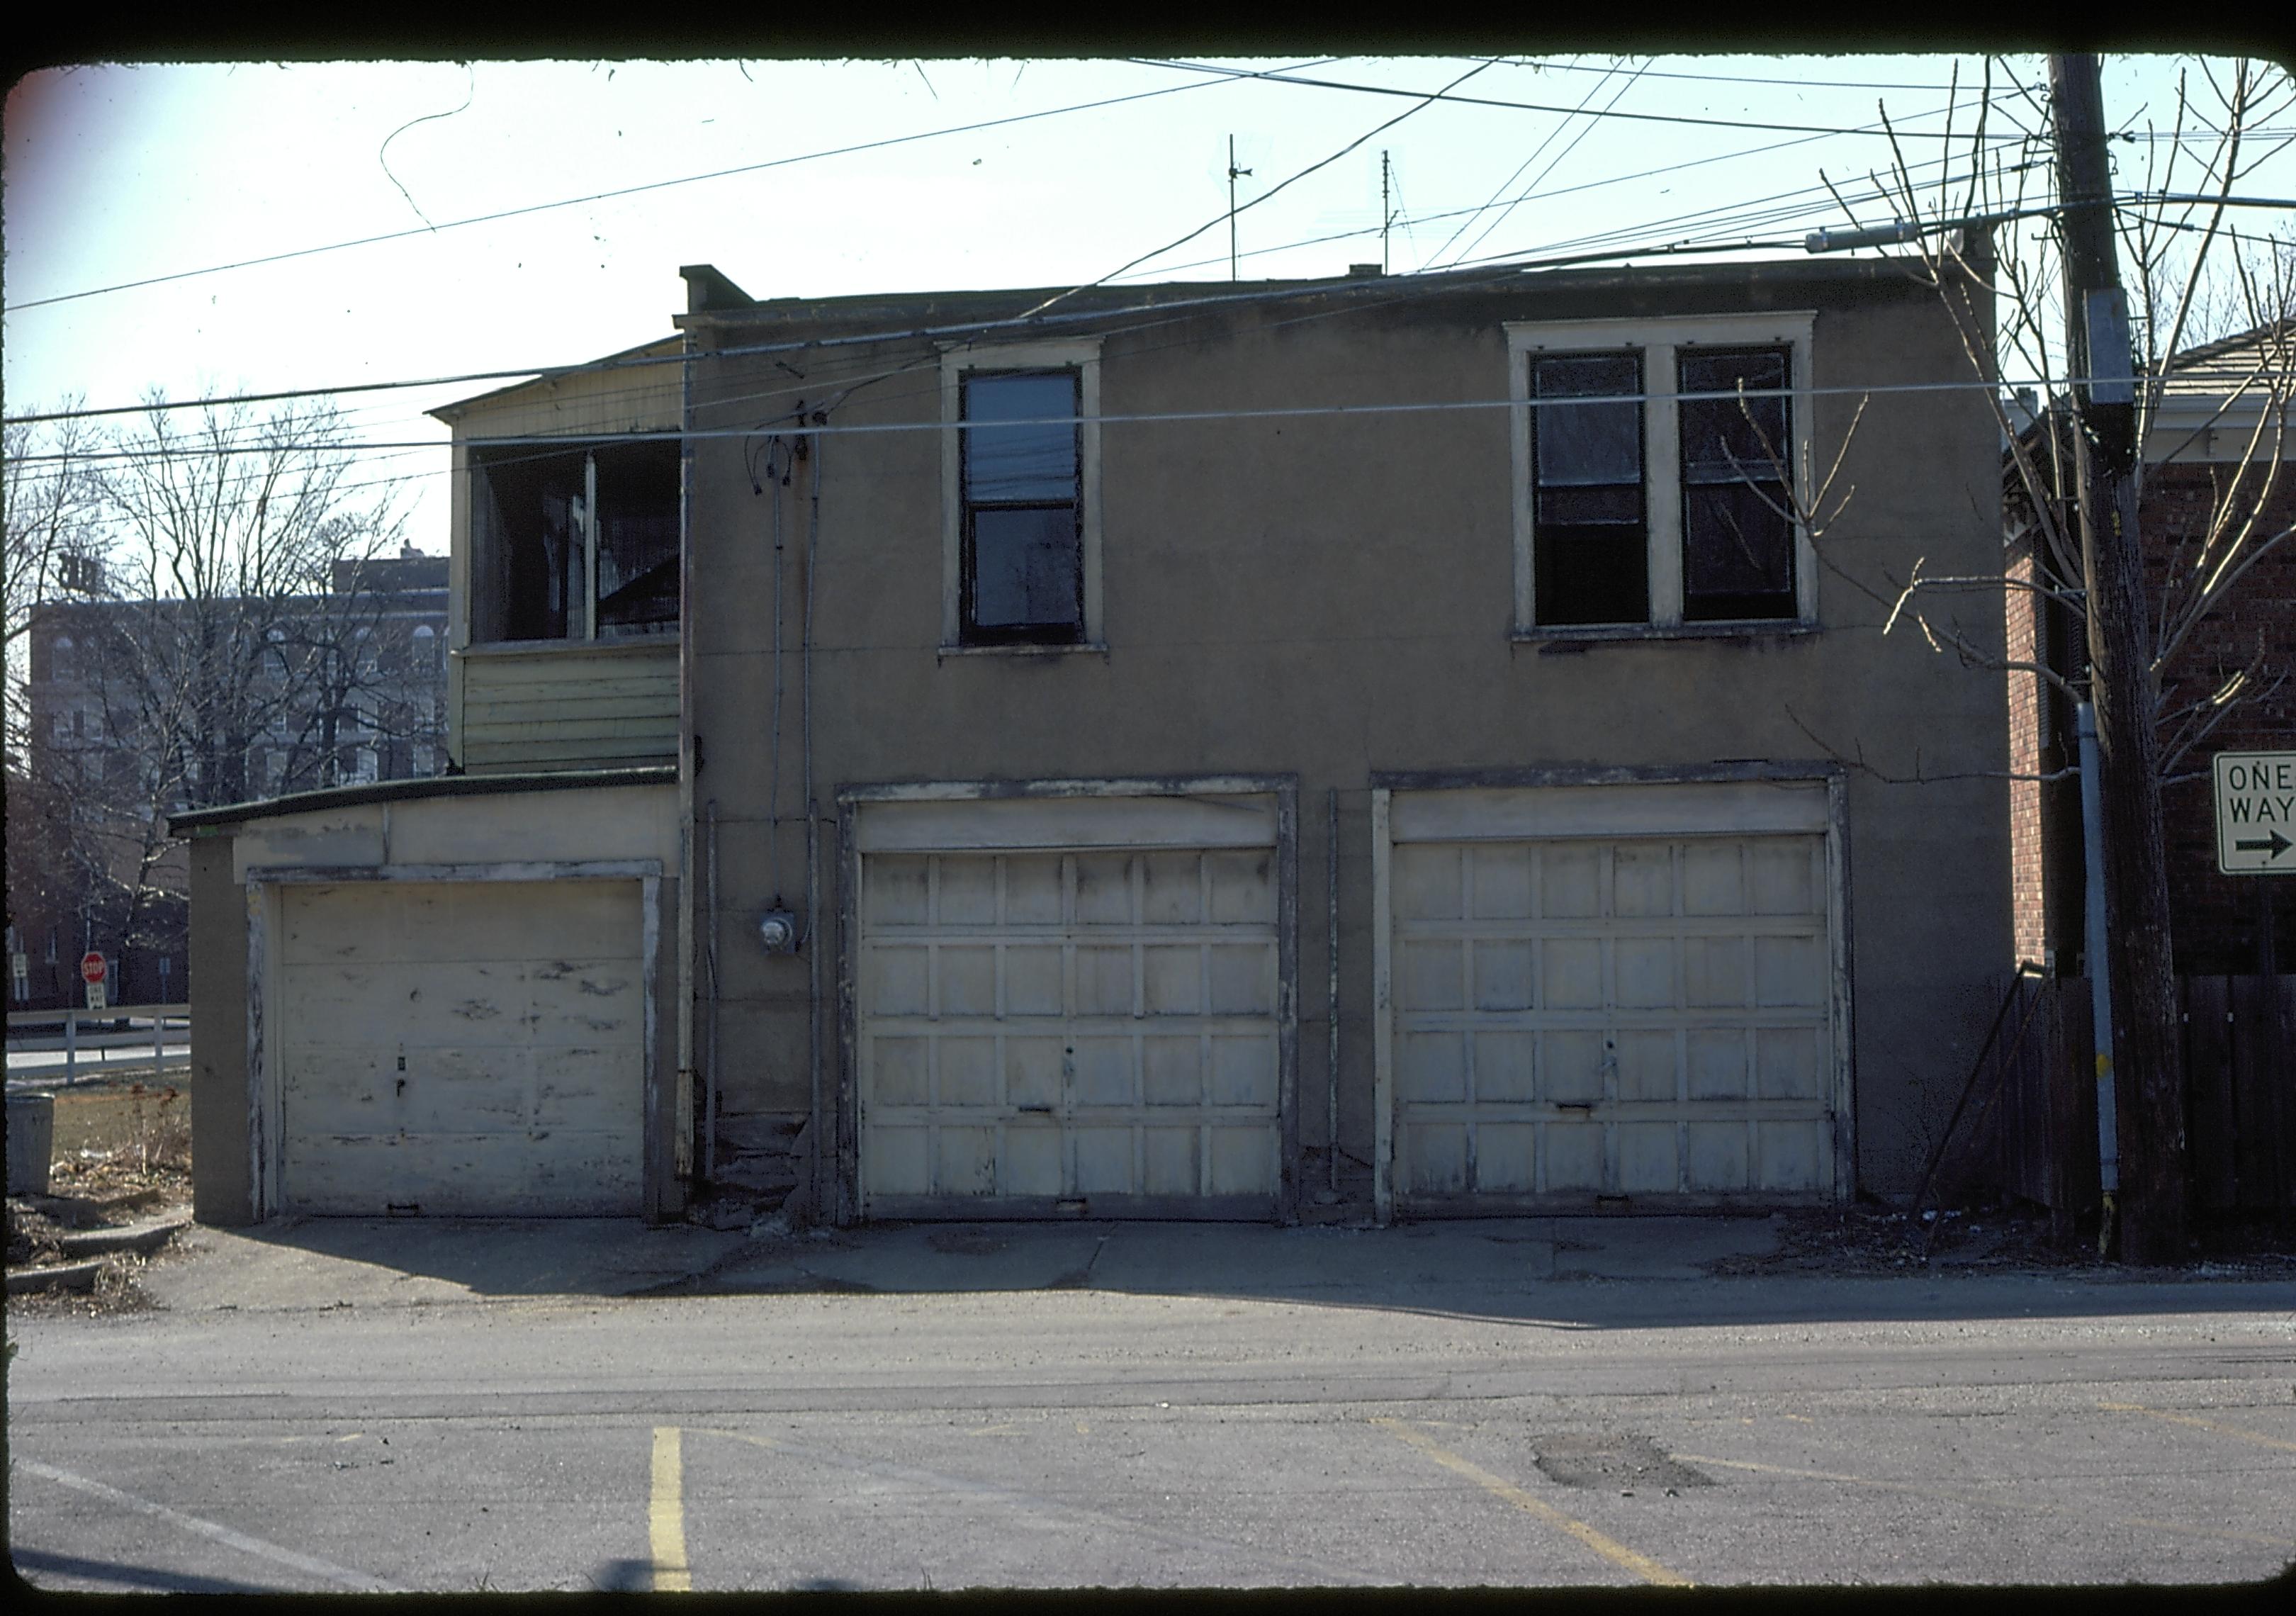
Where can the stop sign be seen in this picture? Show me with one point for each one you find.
(91, 966)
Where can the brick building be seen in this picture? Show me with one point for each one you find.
(2211, 461)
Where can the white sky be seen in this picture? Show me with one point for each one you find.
(117, 174)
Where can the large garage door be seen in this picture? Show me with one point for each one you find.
(1074, 1027)
(473, 1047)
(1636, 1002)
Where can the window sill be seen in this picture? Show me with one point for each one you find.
(621, 646)
(1080, 648)
(1561, 638)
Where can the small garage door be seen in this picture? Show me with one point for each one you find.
(472, 1047)
(1069, 1007)
(1635, 998)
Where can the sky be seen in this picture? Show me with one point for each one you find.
(979, 173)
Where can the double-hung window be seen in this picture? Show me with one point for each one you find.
(1022, 548)
(1659, 466)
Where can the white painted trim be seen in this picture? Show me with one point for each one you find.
(1382, 1011)
(1657, 340)
(535, 869)
(1067, 822)
(1082, 354)
(1508, 814)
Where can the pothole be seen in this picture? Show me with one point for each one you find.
(1611, 1459)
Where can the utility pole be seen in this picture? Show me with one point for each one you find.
(2147, 1067)
(1386, 214)
(1233, 172)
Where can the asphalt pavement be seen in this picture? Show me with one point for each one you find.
(323, 1406)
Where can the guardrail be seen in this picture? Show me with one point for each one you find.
(69, 1018)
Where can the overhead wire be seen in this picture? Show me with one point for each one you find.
(600, 196)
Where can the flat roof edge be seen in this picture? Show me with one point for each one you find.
(417, 790)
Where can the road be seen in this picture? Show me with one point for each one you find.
(2004, 1429)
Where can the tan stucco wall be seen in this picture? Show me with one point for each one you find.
(1331, 597)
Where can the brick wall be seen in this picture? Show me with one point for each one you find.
(2215, 917)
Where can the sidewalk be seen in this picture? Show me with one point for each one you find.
(1520, 1267)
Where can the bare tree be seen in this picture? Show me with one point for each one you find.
(223, 638)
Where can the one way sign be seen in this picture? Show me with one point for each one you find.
(2256, 813)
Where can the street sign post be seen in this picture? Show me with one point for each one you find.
(2256, 813)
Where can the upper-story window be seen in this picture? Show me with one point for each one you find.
(1647, 506)
(1021, 539)
(64, 657)
(574, 543)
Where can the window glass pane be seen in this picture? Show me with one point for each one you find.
(1021, 463)
(1582, 444)
(1724, 439)
(1734, 543)
(1027, 569)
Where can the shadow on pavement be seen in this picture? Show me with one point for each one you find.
(114, 1575)
(1616, 1272)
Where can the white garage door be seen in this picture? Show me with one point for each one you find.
(470, 1047)
(1072, 1028)
(1637, 1002)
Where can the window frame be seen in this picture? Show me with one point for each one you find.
(1081, 356)
(1657, 341)
(488, 583)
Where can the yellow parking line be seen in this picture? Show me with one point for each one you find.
(1618, 1553)
(666, 1513)
(2233, 1432)
(1962, 1495)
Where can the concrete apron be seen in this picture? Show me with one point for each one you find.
(296, 1263)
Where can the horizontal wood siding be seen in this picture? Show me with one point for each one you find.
(578, 707)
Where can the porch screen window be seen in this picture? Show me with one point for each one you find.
(1022, 561)
(1737, 533)
(1592, 534)
(580, 543)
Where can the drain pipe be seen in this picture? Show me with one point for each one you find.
(710, 953)
(2100, 975)
(820, 1126)
(1332, 1005)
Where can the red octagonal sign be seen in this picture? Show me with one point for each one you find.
(91, 966)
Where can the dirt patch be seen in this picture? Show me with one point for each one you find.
(1869, 1239)
(122, 1155)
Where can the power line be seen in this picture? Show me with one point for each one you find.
(1288, 75)
(1498, 267)
(600, 196)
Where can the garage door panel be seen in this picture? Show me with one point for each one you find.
(1033, 1068)
(966, 1071)
(1787, 1064)
(1103, 981)
(1716, 1157)
(1607, 1015)
(1130, 1023)
(1242, 978)
(1242, 1162)
(1505, 1065)
(1035, 980)
(1243, 890)
(505, 1085)
(1245, 1069)
(463, 1175)
(966, 979)
(1172, 979)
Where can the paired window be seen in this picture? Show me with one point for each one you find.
(1021, 466)
(575, 543)
(1658, 472)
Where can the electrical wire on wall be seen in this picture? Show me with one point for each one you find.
(812, 820)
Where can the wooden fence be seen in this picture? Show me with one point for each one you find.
(2032, 1131)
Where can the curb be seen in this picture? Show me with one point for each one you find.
(62, 1276)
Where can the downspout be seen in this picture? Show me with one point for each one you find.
(2100, 976)
(683, 1114)
(822, 1126)
(1331, 1003)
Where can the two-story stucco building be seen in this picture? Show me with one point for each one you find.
(1183, 751)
